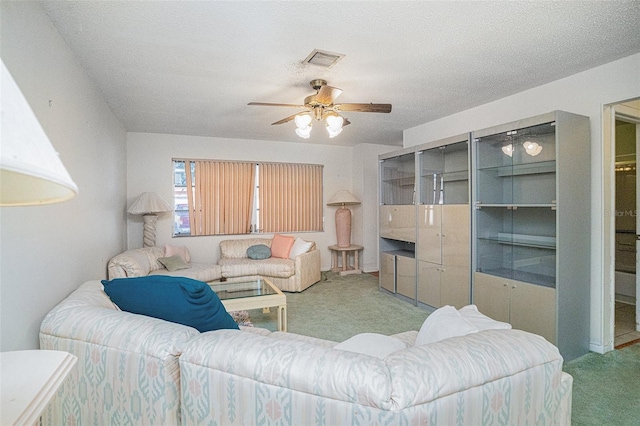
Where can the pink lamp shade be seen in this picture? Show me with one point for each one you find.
(343, 216)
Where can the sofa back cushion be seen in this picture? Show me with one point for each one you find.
(176, 299)
(136, 262)
(237, 249)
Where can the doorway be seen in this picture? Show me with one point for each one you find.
(624, 312)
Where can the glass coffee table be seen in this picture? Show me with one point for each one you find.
(252, 294)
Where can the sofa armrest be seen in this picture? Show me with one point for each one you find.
(308, 268)
(135, 262)
(289, 364)
(429, 372)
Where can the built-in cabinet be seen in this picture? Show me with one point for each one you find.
(499, 218)
(531, 233)
(443, 221)
(397, 224)
(426, 240)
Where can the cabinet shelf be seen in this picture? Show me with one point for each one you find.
(404, 253)
(534, 241)
(480, 205)
(522, 169)
(527, 277)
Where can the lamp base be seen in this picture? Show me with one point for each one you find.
(343, 227)
(149, 231)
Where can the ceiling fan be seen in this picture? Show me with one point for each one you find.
(320, 106)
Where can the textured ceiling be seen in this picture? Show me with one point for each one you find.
(191, 67)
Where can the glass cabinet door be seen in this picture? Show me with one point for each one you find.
(397, 177)
(515, 204)
(444, 174)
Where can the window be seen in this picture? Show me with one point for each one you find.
(230, 197)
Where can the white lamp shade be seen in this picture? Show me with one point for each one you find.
(149, 203)
(343, 198)
(30, 170)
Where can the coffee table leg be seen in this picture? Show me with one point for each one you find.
(282, 318)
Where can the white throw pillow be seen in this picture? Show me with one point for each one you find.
(442, 324)
(300, 246)
(372, 344)
(481, 321)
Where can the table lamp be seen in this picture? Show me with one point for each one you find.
(343, 215)
(149, 204)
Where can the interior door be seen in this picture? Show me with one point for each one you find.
(638, 223)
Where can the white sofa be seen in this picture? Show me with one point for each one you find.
(144, 261)
(139, 370)
(292, 275)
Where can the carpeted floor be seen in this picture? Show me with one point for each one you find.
(338, 307)
(606, 388)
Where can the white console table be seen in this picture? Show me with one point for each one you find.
(28, 381)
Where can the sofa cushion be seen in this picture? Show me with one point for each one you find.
(481, 321)
(272, 267)
(372, 344)
(176, 299)
(258, 252)
(300, 246)
(281, 246)
(173, 263)
(237, 249)
(198, 271)
(442, 324)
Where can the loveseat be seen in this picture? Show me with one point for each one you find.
(293, 274)
(147, 261)
(134, 369)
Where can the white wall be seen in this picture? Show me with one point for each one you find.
(149, 168)
(585, 93)
(365, 187)
(48, 251)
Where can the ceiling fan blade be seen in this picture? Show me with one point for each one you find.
(327, 94)
(364, 107)
(277, 105)
(285, 120)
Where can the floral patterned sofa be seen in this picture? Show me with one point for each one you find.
(134, 369)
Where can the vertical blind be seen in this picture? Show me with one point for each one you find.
(289, 197)
(223, 197)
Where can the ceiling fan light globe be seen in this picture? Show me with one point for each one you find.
(335, 123)
(333, 133)
(304, 133)
(302, 121)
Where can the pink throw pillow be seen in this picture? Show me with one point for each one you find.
(182, 251)
(281, 246)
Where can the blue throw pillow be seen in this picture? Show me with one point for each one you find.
(259, 252)
(176, 299)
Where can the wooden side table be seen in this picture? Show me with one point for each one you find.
(352, 250)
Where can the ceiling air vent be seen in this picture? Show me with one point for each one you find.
(322, 58)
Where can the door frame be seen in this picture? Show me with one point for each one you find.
(610, 112)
